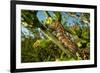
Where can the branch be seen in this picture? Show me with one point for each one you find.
(55, 41)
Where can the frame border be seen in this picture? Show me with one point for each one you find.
(13, 35)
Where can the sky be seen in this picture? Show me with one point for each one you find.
(41, 16)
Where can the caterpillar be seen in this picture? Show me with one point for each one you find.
(60, 34)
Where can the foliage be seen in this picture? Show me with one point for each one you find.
(39, 43)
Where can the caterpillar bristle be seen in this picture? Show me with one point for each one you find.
(64, 39)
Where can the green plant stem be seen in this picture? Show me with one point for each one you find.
(55, 41)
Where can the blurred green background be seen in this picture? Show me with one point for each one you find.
(42, 46)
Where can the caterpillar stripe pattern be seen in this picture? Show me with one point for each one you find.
(60, 34)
